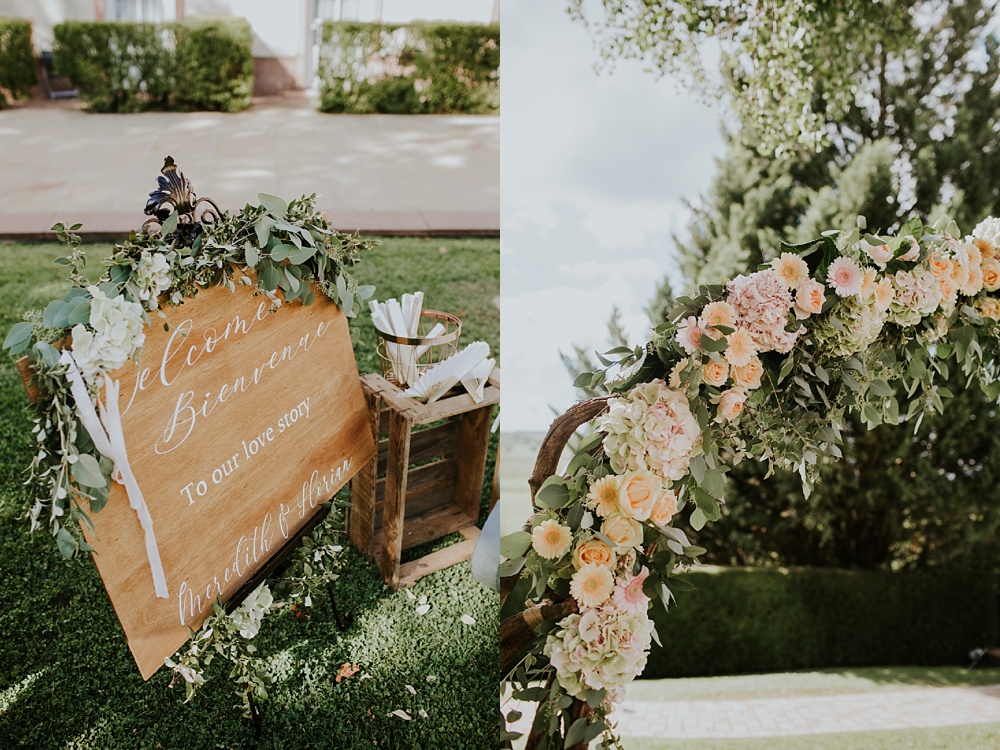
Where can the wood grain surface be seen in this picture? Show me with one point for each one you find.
(238, 422)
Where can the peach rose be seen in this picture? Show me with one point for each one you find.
(731, 405)
(625, 532)
(991, 274)
(881, 254)
(990, 308)
(593, 552)
(941, 265)
(638, 493)
(809, 299)
(715, 373)
(914, 252)
(665, 508)
(749, 375)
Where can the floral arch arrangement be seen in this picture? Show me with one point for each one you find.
(763, 368)
(286, 251)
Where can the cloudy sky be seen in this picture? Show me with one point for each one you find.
(594, 175)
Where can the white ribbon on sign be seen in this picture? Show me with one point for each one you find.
(106, 432)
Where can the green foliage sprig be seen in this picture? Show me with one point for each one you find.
(313, 567)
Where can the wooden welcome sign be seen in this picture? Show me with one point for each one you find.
(238, 424)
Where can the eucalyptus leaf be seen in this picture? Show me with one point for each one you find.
(87, 472)
(274, 205)
(515, 545)
(19, 335)
(169, 226)
(66, 543)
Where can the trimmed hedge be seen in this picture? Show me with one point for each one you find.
(17, 59)
(202, 64)
(745, 620)
(419, 68)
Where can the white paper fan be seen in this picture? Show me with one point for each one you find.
(475, 379)
(440, 378)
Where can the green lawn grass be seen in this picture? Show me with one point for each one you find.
(67, 679)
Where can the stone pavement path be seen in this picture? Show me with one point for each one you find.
(815, 714)
(822, 714)
(379, 173)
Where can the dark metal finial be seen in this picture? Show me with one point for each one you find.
(174, 193)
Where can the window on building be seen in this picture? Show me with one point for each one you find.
(138, 10)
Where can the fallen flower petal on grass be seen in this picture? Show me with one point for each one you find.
(413, 690)
(468, 619)
(347, 670)
(423, 609)
(402, 715)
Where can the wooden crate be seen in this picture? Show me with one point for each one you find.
(426, 480)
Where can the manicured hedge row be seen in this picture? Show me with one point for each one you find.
(744, 620)
(17, 59)
(419, 68)
(129, 67)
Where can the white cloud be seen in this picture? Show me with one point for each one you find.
(594, 175)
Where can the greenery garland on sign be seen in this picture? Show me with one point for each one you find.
(764, 368)
(275, 247)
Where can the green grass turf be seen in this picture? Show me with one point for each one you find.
(67, 679)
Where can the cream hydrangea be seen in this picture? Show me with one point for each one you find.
(918, 294)
(152, 276)
(114, 335)
(601, 649)
(651, 428)
(249, 615)
(988, 229)
(858, 325)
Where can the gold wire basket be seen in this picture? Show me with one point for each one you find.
(404, 359)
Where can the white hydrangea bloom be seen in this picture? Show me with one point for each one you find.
(249, 615)
(988, 229)
(113, 337)
(650, 428)
(605, 648)
(152, 276)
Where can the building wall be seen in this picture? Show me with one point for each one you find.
(45, 14)
(280, 38)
